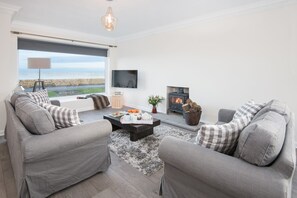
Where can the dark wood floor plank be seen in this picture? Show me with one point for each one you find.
(156, 177)
(122, 187)
(107, 193)
(2, 183)
(8, 176)
(100, 182)
(137, 179)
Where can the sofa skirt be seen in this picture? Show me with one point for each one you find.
(62, 170)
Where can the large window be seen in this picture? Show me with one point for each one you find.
(70, 73)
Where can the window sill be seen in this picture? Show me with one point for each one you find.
(71, 98)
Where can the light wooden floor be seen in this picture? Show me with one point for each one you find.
(120, 181)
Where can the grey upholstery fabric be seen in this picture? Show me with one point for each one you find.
(44, 164)
(36, 119)
(16, 95)
(261, 141)
(225, 116)
(276, 106)
(194, 171)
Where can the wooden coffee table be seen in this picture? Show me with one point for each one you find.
(137, 131)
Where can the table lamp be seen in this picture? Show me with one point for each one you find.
(39, 63)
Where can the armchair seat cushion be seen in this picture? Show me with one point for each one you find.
(261, 141)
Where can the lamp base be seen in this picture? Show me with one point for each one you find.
(40, 84)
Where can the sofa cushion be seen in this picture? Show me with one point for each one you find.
(276, 106)
(222, 138)
(36, 119)
(248, 108)
(16, 95)
(62, 116)
(40, 96)
(261, 141)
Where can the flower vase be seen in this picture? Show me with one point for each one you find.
(154, 109)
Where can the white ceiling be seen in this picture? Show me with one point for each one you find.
(133, 16)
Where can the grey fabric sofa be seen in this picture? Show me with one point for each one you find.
(44, 164)
(194, 171)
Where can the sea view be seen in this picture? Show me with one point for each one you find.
(70, 74)
(62, 73)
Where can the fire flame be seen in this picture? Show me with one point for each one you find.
(179, 100)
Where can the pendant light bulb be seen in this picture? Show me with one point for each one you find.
(108, 20)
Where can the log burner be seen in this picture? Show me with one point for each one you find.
(176, 100)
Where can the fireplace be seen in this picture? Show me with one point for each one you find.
(176, 100)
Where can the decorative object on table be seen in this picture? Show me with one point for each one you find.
(39, 63)
(134, 111)
(137, 118)
(192, 112)
(155, 100)
(100, 101)
(118, 114)
(108, 20)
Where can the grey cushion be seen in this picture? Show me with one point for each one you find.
(276, 106)
(16, 95)
(261, 141)
(36, 119)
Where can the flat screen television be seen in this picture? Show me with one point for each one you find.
(124, 78)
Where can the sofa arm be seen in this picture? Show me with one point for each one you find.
(230, 175)
(225, 115)
(42, 146)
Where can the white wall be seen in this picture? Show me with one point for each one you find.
(8, 72)
(224, 62)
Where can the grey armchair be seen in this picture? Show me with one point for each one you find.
(193, 171)
(45, 164)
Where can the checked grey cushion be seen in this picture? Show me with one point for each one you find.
(39, 96)
(222, 138)
(63, 117)
(248, 108)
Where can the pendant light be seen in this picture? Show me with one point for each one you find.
(108, 20)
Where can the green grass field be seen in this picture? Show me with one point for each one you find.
(78, 91)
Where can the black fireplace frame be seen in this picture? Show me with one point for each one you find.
(177, 107)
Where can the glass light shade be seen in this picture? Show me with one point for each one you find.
(108, 20)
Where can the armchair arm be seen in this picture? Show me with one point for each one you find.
(228, 174)
(225, 115)
(41, 146)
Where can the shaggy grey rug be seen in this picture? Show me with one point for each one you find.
(143, 154)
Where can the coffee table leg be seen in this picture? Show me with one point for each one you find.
(142, 134)
(115, 127)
